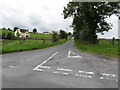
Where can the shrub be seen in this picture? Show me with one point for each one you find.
(3, 36)
(55, 36)
(9, 36)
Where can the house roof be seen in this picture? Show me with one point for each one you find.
(23, 30)
(45, 32)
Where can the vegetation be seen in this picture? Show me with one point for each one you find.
(8, 44)
(34, 30)
(37, 35)
(55, 36)
(104, 48)
(15, 28)
(89, 18)
(23, 45)
(63, 34)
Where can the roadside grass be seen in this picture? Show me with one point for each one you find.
(104, 48)
(24, 45)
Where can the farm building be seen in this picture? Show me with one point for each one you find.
(46, 33)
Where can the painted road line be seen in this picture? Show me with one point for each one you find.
(39, 70)
(77, 56)
(62, 69)
(46, 67)
(110, 61)
(65, 73)
(86, 72)
(87, 76)
(56, 72)
(45, 61)
(105, 74)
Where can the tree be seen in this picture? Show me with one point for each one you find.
(55, 37)
(69, 33)
(15, 28)
(34, 30)
(63, 34)
(89, 18)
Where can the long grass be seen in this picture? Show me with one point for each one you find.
(104, 48)
(23, 45)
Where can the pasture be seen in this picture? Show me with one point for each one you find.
(9, 45)
(104, 48)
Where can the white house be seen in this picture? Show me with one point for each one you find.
(22, 33)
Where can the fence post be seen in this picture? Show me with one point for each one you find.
(43, 40)
(113, 40)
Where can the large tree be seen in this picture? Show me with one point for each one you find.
(34, 30)
(89, 18)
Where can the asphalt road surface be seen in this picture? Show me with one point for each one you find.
(60, 66)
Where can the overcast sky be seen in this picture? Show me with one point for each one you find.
(45, 15)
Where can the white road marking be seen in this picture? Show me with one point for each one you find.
(62, 69)
(65, 73)
(39, 70)
(105, 74)
(86, 72)
(12, 66)
(46, 67)
(77, 56)
(56, 72)
(44, 62)
(101, 78)
(88, 76)
(110, 61)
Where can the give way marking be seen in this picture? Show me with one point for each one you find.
(73, 55)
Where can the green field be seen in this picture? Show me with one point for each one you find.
(104, 48)
(23, 45)
(32, 35)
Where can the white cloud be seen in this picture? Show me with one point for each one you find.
(114, 31)
(45, 15)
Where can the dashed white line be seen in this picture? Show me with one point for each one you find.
(88, 76)
(105, 74)
(86, 72)
(62, 69)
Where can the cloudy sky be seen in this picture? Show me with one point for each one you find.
(45, 15)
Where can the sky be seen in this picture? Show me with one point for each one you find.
(45, 15)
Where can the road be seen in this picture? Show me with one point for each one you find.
(60, 66)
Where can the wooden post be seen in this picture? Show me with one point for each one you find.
(43, 40)
(113, 40)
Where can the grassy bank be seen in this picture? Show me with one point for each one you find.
(24, 45)
(104, 48)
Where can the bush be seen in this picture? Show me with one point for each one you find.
(9, 36)
(3, 36)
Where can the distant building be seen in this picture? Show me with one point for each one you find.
(46, 33)
(22, 33)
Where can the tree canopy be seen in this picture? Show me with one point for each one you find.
(34, 30)
(89, 18)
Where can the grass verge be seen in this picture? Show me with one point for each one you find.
(8, 46)
(104, 48)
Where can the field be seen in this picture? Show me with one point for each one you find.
(104, 48)
(8, 46)
(23, 45)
